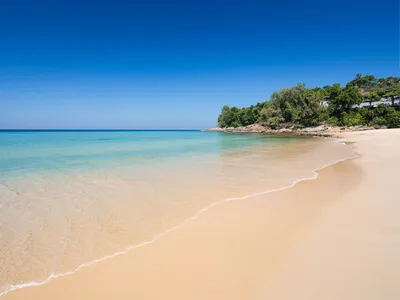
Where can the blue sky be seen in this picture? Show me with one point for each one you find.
(173, 64)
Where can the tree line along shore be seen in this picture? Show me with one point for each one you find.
(365, 101)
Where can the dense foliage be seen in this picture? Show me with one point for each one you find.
(301, 106)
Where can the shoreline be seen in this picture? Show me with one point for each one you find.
(322, 130)
(51, 288)
(314, 176)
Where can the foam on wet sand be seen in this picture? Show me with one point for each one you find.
(337, 237)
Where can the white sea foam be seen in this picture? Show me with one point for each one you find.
(181, 224)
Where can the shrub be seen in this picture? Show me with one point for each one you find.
(352, 119)
(379, 121)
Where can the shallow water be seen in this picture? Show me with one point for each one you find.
(70, 197)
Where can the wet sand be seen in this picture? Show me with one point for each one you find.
(336, 237)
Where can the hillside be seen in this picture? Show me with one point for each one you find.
(366, 100)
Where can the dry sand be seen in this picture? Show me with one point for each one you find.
(336, 237)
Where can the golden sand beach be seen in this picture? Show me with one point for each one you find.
(335, 237)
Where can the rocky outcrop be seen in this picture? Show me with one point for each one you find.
(322, 130)
(254, 128)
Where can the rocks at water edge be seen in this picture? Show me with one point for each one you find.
(322, 130)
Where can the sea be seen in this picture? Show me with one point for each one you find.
(71, 198)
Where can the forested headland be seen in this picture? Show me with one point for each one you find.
(366, 100)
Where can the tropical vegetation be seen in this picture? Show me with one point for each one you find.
(332, 104)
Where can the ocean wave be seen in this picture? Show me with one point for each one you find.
(181, 224)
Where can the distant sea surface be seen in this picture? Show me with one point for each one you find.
(69, 198)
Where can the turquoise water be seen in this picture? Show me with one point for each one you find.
(23, 152)
(69, 198)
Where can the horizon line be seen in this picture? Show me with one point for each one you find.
(94, 129)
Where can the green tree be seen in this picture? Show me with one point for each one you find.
(334, 91)
(301, 106)
(345, 101)
(226, 118)
(298, 105)
(392, 92)
(373, 96)
(271, 116)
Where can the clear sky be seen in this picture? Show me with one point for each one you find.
(173, 64)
